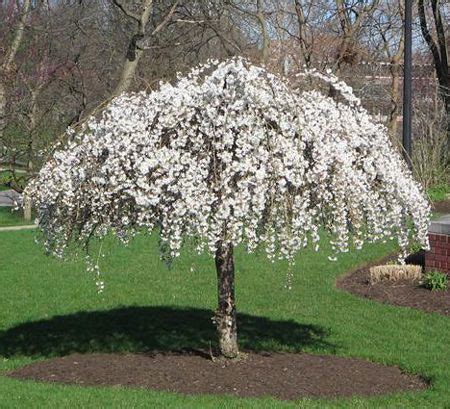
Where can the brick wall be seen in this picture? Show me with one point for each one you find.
(438, 258)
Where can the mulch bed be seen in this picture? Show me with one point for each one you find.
(280, 375)
(405, 293)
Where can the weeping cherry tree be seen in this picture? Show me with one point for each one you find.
(231, 154)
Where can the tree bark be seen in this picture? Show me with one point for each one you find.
(225, 317)
(27, 203)
(439, 49)
(301, 21)
(2, 107)
(350, 27)
(27, 209)
(395, 88)
(7, 65)
(18, 36)
(134, 53)
(264, 34)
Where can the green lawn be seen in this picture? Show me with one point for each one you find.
(439, 192)
(5, 178)
(10, 217)
(49, 308)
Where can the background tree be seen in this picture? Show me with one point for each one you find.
(6, 66)
(435, 35)
(387, 31)
(231, 155)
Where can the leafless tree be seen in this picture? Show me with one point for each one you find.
(434, 33)
(6, 66)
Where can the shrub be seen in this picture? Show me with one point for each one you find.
(439, 192)
(394, 272)
(430, 149)
(436, 281)
(8, 181)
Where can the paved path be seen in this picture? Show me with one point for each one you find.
(12, 228)
(8, 197)
(441, 225)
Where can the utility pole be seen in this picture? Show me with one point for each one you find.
(407, 82)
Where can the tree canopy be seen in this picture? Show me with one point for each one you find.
(233, 154)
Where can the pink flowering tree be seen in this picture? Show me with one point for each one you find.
(231, 154)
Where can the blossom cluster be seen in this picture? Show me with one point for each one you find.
(231, 153)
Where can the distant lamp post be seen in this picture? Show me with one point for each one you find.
(407, 82)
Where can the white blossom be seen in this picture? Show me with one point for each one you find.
(231, 153)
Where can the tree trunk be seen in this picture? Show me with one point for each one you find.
(264, 34)
(395, 105)
(128, 70)
(27, 203)
(134, 53)
(7, 64)
(395, 92)
(27, 209)
(225, 317)
(2, 107)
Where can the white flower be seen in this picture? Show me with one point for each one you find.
(238, 155)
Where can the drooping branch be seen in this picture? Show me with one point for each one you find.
(154, 156)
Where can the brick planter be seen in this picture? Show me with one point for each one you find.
(438, 258)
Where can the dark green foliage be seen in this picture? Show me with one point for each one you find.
(436, 281)
(439, 192)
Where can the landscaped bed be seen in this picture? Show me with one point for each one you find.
(282, 376)
(405, 293)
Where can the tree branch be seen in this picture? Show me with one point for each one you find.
(441, 38)
(18, 35)
(127, 11)
(428, 38)
(166, 19)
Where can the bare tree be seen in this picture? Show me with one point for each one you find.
(387, 26)
(7, 64)
(352, 16)
(141, 38)
(261, 16)
(434, 35)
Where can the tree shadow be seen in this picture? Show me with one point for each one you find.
(158, 328)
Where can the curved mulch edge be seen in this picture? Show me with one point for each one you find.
(403, 293)
(283, 376)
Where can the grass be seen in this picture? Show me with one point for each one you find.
(5, 178)
(10, 217)
(439, 192)
(49, 308)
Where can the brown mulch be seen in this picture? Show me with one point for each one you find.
(442, 206)
(280, 375)
(404, 293)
